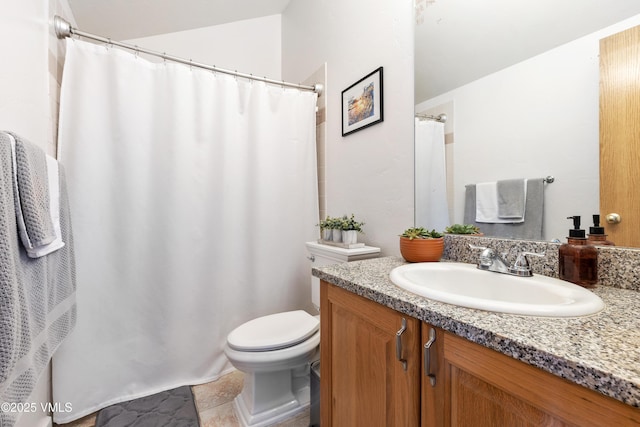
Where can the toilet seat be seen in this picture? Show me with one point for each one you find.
(273, 332)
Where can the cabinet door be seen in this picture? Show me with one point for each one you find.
(433, 378)
(362, 381)
(620, 134)
(486, 388)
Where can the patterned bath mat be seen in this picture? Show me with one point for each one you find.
(173, 408)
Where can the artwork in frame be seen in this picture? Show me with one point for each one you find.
(362, 103)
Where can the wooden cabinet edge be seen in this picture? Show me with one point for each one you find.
(407, 386)
(575, 404)
(325, 355)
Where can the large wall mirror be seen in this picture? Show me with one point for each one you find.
(519, 83)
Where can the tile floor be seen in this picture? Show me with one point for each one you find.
(214, 401)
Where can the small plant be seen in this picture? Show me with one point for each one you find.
(350, 223)
(327, 223)
(420, 233)
(462, 229)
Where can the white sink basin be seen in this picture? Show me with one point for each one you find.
(467, 286)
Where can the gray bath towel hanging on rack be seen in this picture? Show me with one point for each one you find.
(529, 229)
(38, 306)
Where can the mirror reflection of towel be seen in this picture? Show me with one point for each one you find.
(511, 195)
(501, 201)
(530, 229)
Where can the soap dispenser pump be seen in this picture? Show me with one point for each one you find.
(578, 260)
(596, 234)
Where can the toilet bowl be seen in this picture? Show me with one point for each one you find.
(275, 351)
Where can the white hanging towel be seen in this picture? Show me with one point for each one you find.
(432, 208)
(489, 201)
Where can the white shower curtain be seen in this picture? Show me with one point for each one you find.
(432, 207)
(192, 194)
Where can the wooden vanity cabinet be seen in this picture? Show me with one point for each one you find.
(363, 384)
(461, 384)
(477, 386)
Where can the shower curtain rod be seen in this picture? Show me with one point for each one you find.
(64, 29)
(442, 118)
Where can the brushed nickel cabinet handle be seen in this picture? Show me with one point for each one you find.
(399, 344)
(427, 357)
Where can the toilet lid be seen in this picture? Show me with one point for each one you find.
(273, 332)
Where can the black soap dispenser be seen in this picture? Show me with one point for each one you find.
(578, 260)
(596, 234)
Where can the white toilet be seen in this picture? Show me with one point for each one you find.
(275, 351)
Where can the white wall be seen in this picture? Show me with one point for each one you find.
(370, 172)
(536, 118)
(23, 76)
(252, 46)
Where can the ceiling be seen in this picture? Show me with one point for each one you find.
(457, 41)
(130, 19)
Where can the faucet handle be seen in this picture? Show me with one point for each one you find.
(521, 267)
(486, 257)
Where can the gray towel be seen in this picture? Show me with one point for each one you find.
(32, 192)
(530, 229)
(511, 198)
(37, 296)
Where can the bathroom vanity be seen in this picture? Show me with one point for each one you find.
(480, 368)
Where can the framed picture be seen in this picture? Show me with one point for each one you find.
(362, 103)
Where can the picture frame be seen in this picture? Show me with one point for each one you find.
(363, 103)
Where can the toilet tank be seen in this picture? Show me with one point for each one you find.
(322, 255)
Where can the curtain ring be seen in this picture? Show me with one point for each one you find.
(164, 57)
(136, 50)
(190, 64)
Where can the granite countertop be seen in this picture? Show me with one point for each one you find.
(600, 352)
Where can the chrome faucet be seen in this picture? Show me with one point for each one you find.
(490, 260)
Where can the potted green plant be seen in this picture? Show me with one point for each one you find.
(336, 230)
(417, 244)
(350, 228)
(326, 228)
(463, 229)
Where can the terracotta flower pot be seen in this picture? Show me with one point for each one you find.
(421, 250)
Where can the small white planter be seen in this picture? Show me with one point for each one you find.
(327, 234)
(336, 235)
(349, 237)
